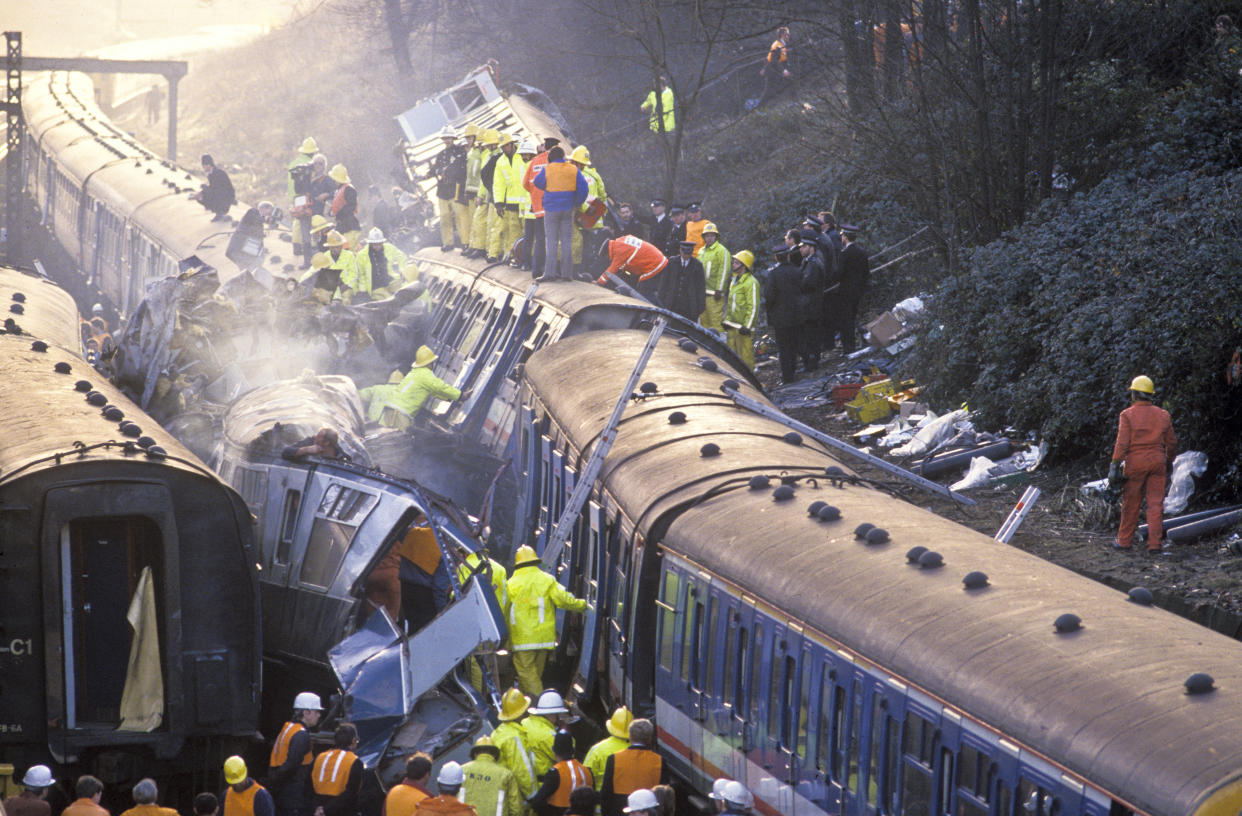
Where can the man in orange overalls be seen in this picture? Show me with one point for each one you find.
(641, 259)
(1146, 444)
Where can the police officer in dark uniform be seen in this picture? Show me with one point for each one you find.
(813, 285)
(684, 290)
(782, 292)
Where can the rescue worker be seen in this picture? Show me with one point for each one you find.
(510, 739)
(322, 185)
(448, 782)
(449, 169)
(489, 787)
(206, 804)
(217, 195)
(380, 266)
(319, 229)
(289, 765)
(1145, 448)
(538, 252)
(322, 280)
(737, 799)
(532, 621)
(541, 731)
(474, 163)
(403, 797)
(473, 564)
(639, 258)
(775, 70)
(716, 266)
(300, 209)
(596, 192)
(564, 188)
(340, 259)
(344, 206)
(479, 220)
(631, 769)
(642, 802)
(618, 739)
(32, 801)
(507, 195)
(530, 225)
(568, 774)
(336, 777)
(89, 791)
(419, 384)
(244, 796)
(145, 793)
(465, 212)
(743, 313)
(717, 794)
(695, 223)
(583, 802)
(660, 107)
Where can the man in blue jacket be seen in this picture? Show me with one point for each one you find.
(564, 189)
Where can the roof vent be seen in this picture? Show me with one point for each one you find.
(17, 308)
(39, 346)
(814, 507)
(18, 297)
(648, 387)
(113, 414)
(10, 326)
(1069, 622)
(793, 438)
(915, 553)
(686, 344)
(861, 530)
(931, 560)
(1141, 596)
(145, 441)
(975, 580)
(62, 368)
(759, 482)
(783, 493)
(82, 385)
(156, 452)
(707, 364)
(1200, 683)
(677, 418)
(877, 536)
(97, 399)
(730, 385)
(710, 449)
(829, 513)
(644, 324)
(131, 430)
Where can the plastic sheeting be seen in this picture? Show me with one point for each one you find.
(1186, 466)
(931, 434)
(142, 701)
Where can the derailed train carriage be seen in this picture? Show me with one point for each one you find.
(835, 668)
(116, 657)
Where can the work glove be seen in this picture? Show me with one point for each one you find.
(1115, 479)
(745, 332)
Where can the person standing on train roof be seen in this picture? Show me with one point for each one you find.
(660, 105)
(289, 765)
(448, 802)
(533, 594)
(489, 787)
(448, 167)
(716, 277)
(336, 776)
(32, 801)
(618, 739)
(244, 796)
(1142, 459)
(538, 238)
(341, 259)
(541, 731)
(633, 768)
(322, 185)
(529, 224)
(737, 799)
(217, 194)
(465, 212)
(639, 258)
(344, 206)
(380, 265)
(145, 793)
(475, 151)
(564, 188)
(479, 227)
(743, 313)
(507, 196)
(300, 208)
(584, 236)
(510, 739)
(561, 779)
(403, 797)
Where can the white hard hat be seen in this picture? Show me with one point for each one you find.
(641, 799)
(549, 703)
(735, 793)
(528, 146)
(405, 201)
(97, 308)
(375, 236)
(718, 789)
(447, 132)
(450, 774)
(39, 776)
(307, 701)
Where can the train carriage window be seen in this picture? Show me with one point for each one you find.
(1004, 798)
(969, 764)
(839, 708)
(892, 757)
(918, 739)
(1036, 800)
(756, 669)
(340, 512)
(945, 787)
(776, 694)
(789, 707)
(688, 614)
(693, 647)
(708, 640)
(804, 704)
(288, 524)
(668, 618)
(877, 741)
(856, 706)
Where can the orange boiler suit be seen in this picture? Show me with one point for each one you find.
(1147, 444)
(634, 255)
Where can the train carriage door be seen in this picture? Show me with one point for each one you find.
(618, 568)
(721, 637)
(748, 664)
(780, 739)
(696, 670)
(546, 494)
(671, 696)
(594, 574)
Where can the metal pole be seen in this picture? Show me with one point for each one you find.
(1017, 515)
(172, 118)
(13, 143)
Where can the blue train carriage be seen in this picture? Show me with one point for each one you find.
(339, 614)
(117, 657)
(835, 673)
(120, 211)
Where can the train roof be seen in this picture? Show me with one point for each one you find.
(45, 412)
(1107, 701)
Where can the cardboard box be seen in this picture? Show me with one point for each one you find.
(884, 329)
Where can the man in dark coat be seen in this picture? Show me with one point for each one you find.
(627, 224)
(783, 295)
(813, 282)
(217, 194)
(684, 290)
(659, 224)
(830, 259)
(676, 232)
(855, 275)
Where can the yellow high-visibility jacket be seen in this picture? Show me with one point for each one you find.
(533, 598)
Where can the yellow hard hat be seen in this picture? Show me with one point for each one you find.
(339, 174)
(525, 554)
(234, 770)
(746, 258)
(319, 224)
(471, 129)
(489, 137)
(506, 139)
(619, 723)
(484, 743)
(309, 145)
(581, 155)
(334, 239)
(1143, 384)
(423, 357)
(513, 705)
(710, 226)
(320, 260)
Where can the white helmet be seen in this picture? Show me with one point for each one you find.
(375, 236)
(97, 309)
(528, 146)
(718, 789)
(549, 703)
(450, 774)
(735, 793)
(39, 776)
(307, 701)
(641, 799)
(447, 133)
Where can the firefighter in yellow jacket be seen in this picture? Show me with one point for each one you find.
(743, 313)
(489, 787)
(534, 597)
(716, 264)
(510, 739)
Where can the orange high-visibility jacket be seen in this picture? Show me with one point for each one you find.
(634, 255)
